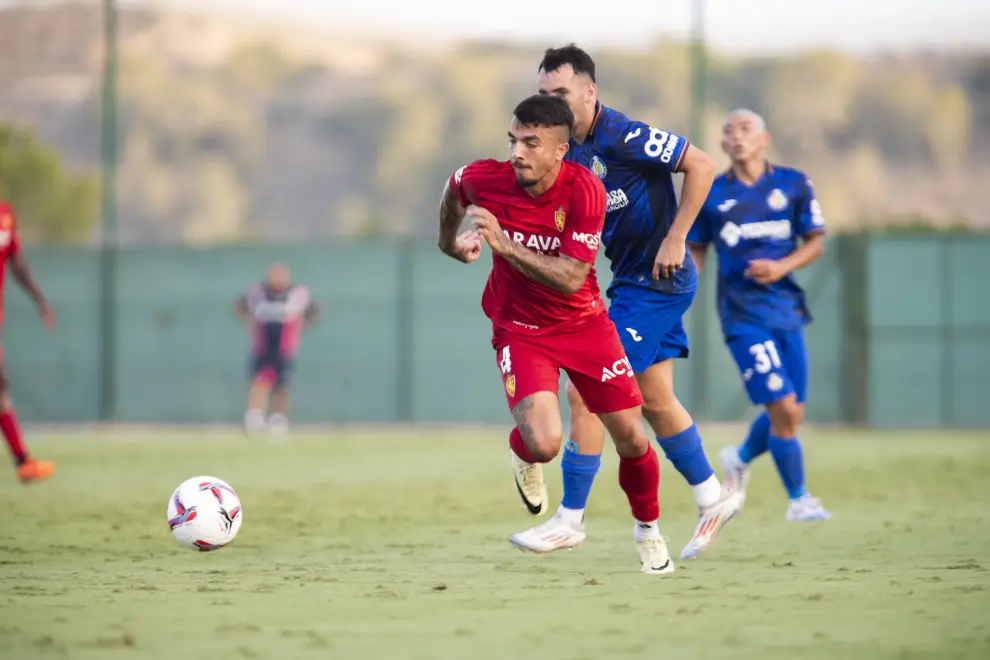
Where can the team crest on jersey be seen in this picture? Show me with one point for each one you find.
(558, 218)
(598, 167)
(777, 200)
(6, 222)
(510, 385)
(775, 383)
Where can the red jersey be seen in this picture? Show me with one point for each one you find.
(565, 220)
(10, 244)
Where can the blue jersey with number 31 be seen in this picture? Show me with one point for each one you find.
(760, 221)
(636, 162)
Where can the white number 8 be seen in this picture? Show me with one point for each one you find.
(766, 357)
(654, 146)
(506, 363)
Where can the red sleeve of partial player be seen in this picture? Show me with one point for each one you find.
(8, 225)
(587, 216)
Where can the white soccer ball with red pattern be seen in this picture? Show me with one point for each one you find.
(204, 513)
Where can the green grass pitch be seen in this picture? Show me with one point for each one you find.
(393, 544)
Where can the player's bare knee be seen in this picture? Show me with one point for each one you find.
(4, 386)
(538, 419)
(626, 429)
(786, 416)
(660, 403)
(543, 440)
(544, 448)
(633, 443)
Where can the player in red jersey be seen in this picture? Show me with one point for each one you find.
(542, 218)
(28, 468)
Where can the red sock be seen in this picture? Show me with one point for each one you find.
(519, 447)
(640, 479)
(12, 431)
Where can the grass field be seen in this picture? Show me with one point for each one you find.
(389, 544)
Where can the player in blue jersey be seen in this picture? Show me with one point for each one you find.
(654, 283)
(765, 223)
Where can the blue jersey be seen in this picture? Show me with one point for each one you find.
(636, 162)
(762, 221)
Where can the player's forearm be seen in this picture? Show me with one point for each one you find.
(242, 311)
(313, 313)
(699, 173)
(699, 253)
(562, 274)
(807, 253)
(451, 217)
(21, 273)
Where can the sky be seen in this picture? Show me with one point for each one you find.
(750, 26)
(742, 26)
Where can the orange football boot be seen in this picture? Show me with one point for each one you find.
(34, 470)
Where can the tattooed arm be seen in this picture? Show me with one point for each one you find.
(465, 247)
(564, 274)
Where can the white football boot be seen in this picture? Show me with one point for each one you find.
(278, 424)
(711, 520)
(654, 558)
(530, 484)
(806, 508)
(555, 534)
(736, 473)
(254, 422)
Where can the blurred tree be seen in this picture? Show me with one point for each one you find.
(53, 205)
(247, 131)
(892, 113)
(257, 67)
(949, 128)
(218, 202)
(808, 98)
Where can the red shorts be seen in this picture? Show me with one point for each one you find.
(591, 354)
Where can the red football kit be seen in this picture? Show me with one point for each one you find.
(10, 245)
(537, 331)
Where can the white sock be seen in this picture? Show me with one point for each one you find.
(571, 517)
(708, 491)
(646, 530)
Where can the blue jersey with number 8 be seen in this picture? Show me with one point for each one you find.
(636, 163)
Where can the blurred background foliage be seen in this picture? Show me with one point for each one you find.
(237, 131)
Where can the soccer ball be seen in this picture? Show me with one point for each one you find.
(204, 513)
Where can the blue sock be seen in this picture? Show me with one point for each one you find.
(787, 455)
(684, 450)
(757, 442)
(579, 473)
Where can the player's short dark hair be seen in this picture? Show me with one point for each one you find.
(580, 61)
(545, 111)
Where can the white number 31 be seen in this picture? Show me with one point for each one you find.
(765, 356)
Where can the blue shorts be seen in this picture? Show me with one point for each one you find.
(274, 368)
(773, 363)
(650, 324)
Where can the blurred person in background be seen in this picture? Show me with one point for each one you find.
(275, 311)
(653, 285)
(28, 469)
(765, 223)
